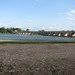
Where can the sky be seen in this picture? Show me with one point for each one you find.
(48, 15)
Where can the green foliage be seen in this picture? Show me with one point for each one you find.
(27, 30)
(41, 32)
(4, 30)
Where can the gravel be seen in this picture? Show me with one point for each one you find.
(37, 59)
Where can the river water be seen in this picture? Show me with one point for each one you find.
(26, 37)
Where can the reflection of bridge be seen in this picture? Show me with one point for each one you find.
(51, 33)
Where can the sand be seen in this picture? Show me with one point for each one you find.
(37, 59)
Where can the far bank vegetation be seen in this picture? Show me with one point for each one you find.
(67, 33)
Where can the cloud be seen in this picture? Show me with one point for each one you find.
(55, 27)
(74, 19)
(69, 14)
(43, 28)
(4, 25)
(30, 21)
(36, 0)
(50, 27)
(73, 11)
(28, 27)
(59, 13)
(69, 18)
(18, 26)
(24, 27)
(72, 27)
(72, 14)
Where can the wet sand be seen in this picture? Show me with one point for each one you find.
(37, 59)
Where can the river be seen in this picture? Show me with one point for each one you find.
(27, 37)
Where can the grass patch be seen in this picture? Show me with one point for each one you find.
(32, 42)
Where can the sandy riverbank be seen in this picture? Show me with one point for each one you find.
(37, 59)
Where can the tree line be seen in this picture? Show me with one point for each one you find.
(4, 30)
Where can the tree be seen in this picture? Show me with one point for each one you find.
(2, 30)
(18, 29)
(41, 32)
(8, 30)
(27, 30)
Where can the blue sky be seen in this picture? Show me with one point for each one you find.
(50, 15)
